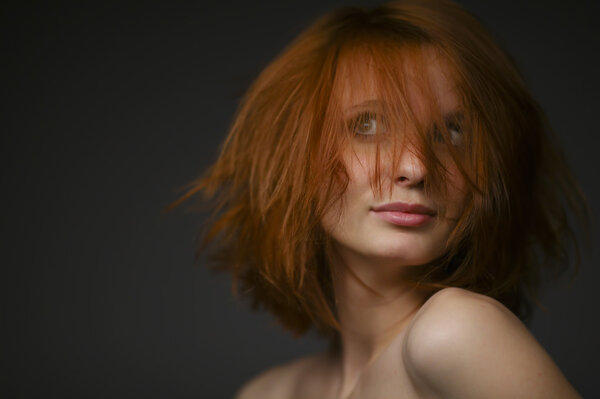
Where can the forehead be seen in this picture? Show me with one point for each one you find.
(415, 78)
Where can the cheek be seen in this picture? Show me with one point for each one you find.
(359, 180)
(345, 213)
(456, 187)
(457, 190)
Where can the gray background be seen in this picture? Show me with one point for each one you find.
(110, 108)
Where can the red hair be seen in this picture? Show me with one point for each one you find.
(280, 168)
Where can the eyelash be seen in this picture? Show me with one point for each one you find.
(376, 125)
(454, 130)
(373, 122)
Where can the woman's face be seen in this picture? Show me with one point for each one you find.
(403, 223)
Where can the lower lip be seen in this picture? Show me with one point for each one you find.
(404, 218)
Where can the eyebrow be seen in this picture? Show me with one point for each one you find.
(369, 104)
(454, 116)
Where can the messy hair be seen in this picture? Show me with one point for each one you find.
(280, 168)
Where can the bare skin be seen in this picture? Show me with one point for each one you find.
(397, 341)
(458, 345)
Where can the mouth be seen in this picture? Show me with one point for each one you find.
(403, 214)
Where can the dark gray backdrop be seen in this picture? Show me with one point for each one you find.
(109, 108)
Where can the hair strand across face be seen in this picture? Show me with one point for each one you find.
(281, 167)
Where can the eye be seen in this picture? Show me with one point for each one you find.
(366, 125)
(454, 131)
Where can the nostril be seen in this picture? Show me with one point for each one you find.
(405, 181)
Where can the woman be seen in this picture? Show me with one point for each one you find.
(389, 181)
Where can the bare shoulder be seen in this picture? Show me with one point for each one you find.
(463, 344)
(451, 319)
(459, 311)
(278, 382)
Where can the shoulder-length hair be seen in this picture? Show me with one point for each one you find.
(280, 168)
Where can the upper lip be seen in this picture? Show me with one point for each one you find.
(404, 207)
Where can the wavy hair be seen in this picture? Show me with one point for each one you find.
(280, 168)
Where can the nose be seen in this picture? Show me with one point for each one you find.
(410, 171)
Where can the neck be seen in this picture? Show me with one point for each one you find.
(374, 303)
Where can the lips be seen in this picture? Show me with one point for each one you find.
(403, 214)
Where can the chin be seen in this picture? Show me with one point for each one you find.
(411, 252)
